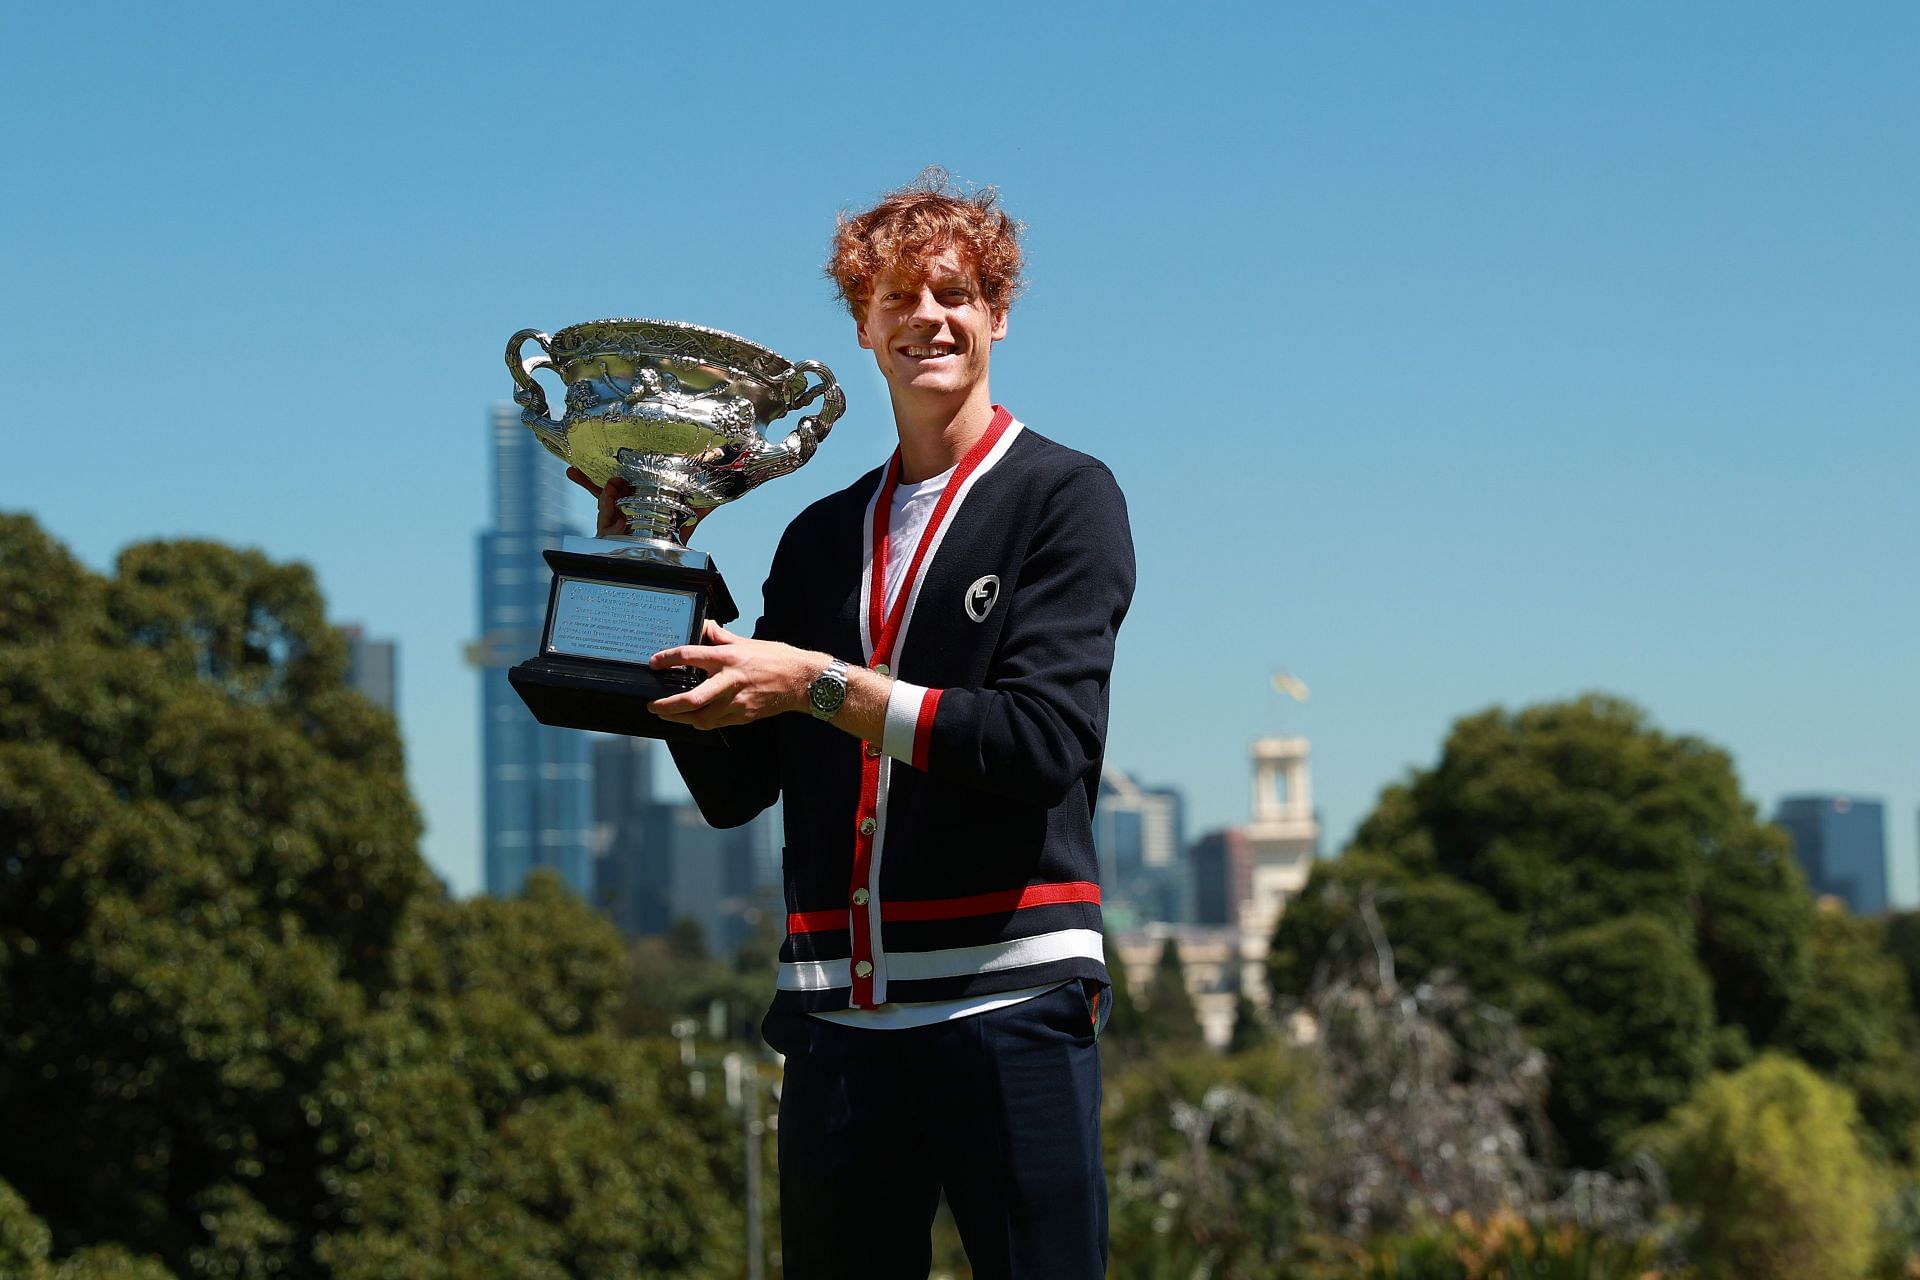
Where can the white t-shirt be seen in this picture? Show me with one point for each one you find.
(912, 508)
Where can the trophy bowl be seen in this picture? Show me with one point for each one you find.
(676, 410)
(679, 412)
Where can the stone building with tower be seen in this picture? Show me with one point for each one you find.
(1282, 841)
(1243, 878)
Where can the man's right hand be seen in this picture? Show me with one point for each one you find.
(612, 523)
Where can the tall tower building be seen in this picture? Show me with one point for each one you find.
(373, 667)
(535, 782)
(1222, 877)
(655, 863)
(1282, 839)
(632, 856)
(1841, 844)
(1138, 834)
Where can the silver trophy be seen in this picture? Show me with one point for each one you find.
(677, 411)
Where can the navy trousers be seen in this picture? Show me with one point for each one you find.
(1000, 1110)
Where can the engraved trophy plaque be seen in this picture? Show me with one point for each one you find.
(677, 411)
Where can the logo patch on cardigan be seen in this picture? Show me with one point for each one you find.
(982, 596)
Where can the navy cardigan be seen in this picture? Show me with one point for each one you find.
(966, 866)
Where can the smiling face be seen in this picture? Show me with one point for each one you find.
(932, 331)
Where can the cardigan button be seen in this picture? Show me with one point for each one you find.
(859, 897)
(882, 669)
(868, 826)
(864, 969)
(873, 751)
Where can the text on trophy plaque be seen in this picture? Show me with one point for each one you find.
(618, 623)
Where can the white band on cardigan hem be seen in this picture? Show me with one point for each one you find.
(953, 962)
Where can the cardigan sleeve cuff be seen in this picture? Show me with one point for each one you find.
(909, 727)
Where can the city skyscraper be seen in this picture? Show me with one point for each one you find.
(1841, 845)
(373, 667)
(1222, 876)
(630, 887)
(535, 782)
(655, 863)
(1139, 836)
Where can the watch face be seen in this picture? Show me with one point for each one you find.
(827, 694)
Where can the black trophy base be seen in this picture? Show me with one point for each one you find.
(606, 616)
(578, 695)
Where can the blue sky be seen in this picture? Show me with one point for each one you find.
(1449, 356)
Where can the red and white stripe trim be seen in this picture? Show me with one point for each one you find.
(952, 962)
(910, 712)
(914, 910)
(882, 636)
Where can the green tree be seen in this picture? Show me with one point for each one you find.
(1169, 1020)
(1123, 1021)
(1208, 1158)
(1437, 924)
(241, 1028)
(25, 1244)
(1855, 1022)
(1539, 825)
(1903, 944)
(1771, 1161)
(1626, 1025)
(207, 844)
(666, 984)
(1249, 1032)
(687, 940)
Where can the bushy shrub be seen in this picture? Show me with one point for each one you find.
(1770, 1161)
(1210, 1161)
(1608, 883)
(1508, 1247)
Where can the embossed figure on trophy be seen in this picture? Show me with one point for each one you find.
(646, 383)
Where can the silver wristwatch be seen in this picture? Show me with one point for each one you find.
(828, 690)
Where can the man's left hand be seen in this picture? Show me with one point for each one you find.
(746, 680)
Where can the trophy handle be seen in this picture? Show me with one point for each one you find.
(814, 428)
(531, 399)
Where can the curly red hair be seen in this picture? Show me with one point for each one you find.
(916, 222)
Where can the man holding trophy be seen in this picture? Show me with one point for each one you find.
(926, 691)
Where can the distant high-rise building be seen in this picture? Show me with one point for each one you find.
(1841, 845)
(1222, 876)
(630, 888)
(655, 863)
(373, 667)
(535, 781)
(1139, 836)
(723, 879)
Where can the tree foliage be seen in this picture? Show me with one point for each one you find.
(1626, 1018)
(242, 1031)
(1855, 1022)
(1169, 1019)
(1250, 1032)
(25, 1243)
(1209, 1160)
(1123, 1019)
(1903, 944)
(1770, 1159)
(1605, 880)
(1408, 1106)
